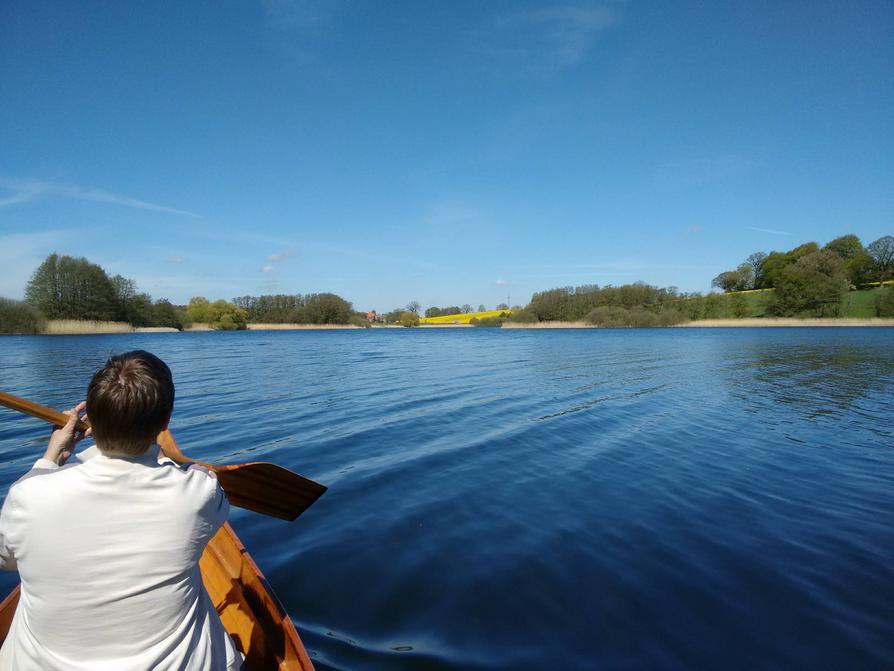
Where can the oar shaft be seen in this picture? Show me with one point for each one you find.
(38, 410)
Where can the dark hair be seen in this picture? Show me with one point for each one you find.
(129, 401)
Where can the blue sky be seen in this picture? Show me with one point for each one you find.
(443, 152)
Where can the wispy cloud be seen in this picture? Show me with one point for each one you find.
(545, 40)
(501, 282)
(279, 256)
(268, 269)
(771, 231)
(25, 190)
(176, 260)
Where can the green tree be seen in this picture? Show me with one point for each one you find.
(225, 316)
(845, 246)
(884, 303)
(326, 309)
(199, 309)
(812, 286)
(64, 287)
(125, 290)
(755, 262)
(165, 314)
(19, 317)
(408, 318)
(857, 262)
(522, 316)
(731, 280)
(140, 311)
(770, 270)
(882, 253)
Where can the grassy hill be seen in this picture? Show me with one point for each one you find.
(858, 304)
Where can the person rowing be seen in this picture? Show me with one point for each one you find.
(107, 546)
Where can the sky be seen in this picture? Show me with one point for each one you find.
(441, 152)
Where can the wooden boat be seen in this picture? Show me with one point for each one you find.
(250, 612)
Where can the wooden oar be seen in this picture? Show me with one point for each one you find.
(259, 486)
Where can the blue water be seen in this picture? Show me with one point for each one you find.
(598, 499)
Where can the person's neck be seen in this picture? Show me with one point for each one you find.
(111, 453)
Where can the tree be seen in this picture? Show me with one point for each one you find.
(64, 287)
(754, 262)
(882, 253)
(727, 281)
(199, 309)
(408, 318)
(770, 270)
(413, 306)
(19, 317)
(326, 309)
(125, 290)
(481, 308)
(44, 291)
(845, 246)
(164, 314)
(884, 303)
(812, 286)
(466, 308)
(502, 306)
(857, 262)
(140, 310)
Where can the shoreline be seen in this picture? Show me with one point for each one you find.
(756, 322)
(776, 322)
(69, 327)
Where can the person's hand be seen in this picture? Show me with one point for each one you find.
(64, 438)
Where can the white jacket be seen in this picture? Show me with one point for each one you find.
(107, 549)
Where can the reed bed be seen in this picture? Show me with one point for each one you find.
(299, 327)
(79, 326)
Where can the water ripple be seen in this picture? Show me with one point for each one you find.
(583, 499)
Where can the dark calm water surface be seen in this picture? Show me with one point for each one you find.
(611, 499)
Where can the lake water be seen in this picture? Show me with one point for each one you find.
(587, 499)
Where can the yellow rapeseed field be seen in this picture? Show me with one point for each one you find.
(464, 318)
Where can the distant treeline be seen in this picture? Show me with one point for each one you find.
(807, 281)
(65, 287)
(323, 308)
(844, 258)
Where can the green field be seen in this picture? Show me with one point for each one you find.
(856, 304)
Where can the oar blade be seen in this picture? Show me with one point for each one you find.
(257, 486)
(269, 489)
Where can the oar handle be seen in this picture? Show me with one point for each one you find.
(39, 411)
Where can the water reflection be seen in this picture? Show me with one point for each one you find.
(814, 380)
